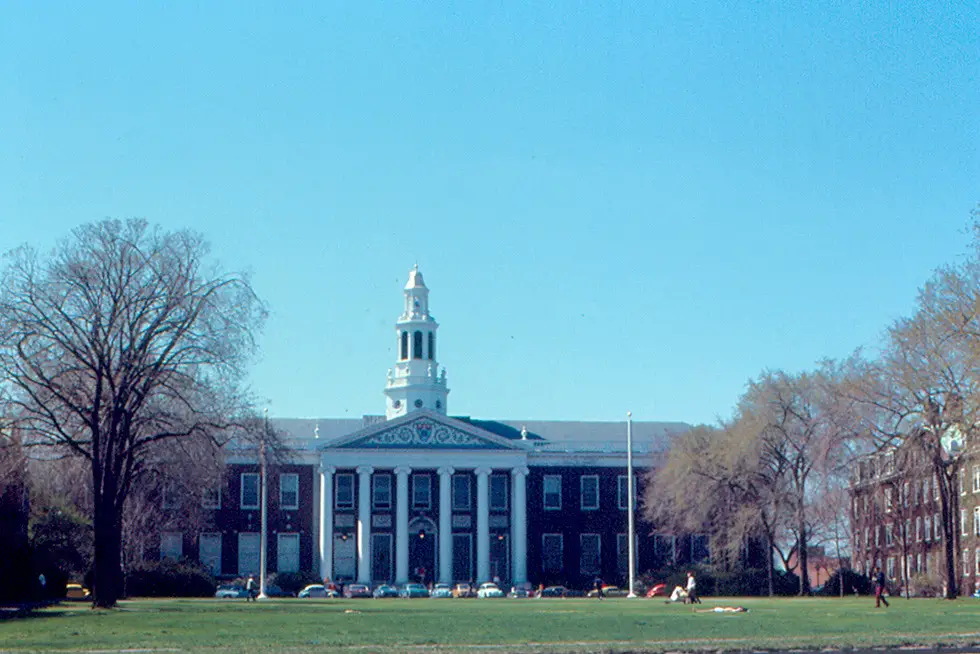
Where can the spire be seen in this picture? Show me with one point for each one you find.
(415, 382)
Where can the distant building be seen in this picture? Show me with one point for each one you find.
(417, 494)
(897, 519)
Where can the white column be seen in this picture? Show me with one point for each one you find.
(401, 524)
(326, 521)
(518, 524)
(482, 524)
(364, 524)
(445, 525)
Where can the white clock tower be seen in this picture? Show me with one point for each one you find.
(416, 381)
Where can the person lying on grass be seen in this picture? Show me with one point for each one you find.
(723, 609)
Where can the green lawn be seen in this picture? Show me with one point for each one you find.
(485, 625)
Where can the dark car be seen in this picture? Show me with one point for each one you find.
(521, 590)
(554, 591)
(384, 590)
(413, 590)
(271, 590)
(352, 591)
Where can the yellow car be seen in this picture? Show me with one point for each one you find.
(76, 592)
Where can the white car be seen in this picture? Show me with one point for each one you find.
(317, 590)
(489, 589)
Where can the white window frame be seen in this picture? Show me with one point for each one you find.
(544, 492)
(258, 490)
(505, 481)
(927, 528)
(935, 487)
(976, 521)
(299, 552)
(581, 549)
(905, 494)
(417, 486)
(458, 504)
(378, 481)
(561, 552)
(292, 478)
(889, 534)
(963, 529)
(172, 536)
(867, 538)
(966, 563)
(348, 479)
(976, 561)
(211, 497)
(211, 536)
(918, 529)
(962, 481)
(888, 500)
(582, 480)
(936, 528)
(976, 479)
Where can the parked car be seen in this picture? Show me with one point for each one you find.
(231, 591)
(464, 590)
(77, 592)
(317, 590)
(441, 591)
(554, 591)
(352, 591)
(521, 590)
(384, 590)
(413, 590)
(271, 590)
(489, 589)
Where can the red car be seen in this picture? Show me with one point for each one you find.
(352, 591)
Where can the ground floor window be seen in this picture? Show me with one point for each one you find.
(209, 551)
(171, 545)
(463, 557)
(552, 553)
(590, 554)
(248, 553)
(381, 557)
(287, 550)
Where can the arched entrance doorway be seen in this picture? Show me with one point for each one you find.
(422, 539)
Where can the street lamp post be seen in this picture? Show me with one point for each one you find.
(631, 535)
(264, 537)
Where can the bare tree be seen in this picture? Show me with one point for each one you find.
(118, 341)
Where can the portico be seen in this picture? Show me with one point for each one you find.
(418, 451)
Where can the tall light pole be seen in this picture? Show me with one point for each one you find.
(631, 535)
(264, 537)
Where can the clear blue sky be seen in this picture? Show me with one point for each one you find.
(615, 205)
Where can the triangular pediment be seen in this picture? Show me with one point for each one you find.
(423, 430)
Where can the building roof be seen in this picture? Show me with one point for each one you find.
(545, 435)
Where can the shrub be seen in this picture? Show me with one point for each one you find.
(293, 582)
(853, 583)
(170, 579)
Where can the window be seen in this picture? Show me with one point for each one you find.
(976, 479)
(498, 492)
(927, 521)
(381, 491)
(589, 487)
(421, 489)
(343, 497)
(976, 521)
(936, 527)
(890, 567)
(622, 555)
(962, 481)
(935, 487)
(552, 553)
(287, 551)
(250, 490)
(907, 531)
(432, 346)
(209, 551)
(889, 535)
(211, 497)
(622, 492)
(976, 561)
(289, 491)
(918, 529)
(699, 548)
(169, 496)
(925, 490)
(552, 492)
(918, 563)
(963, 522)
(417, 345)
(966, 563)
(877, 536)
(589, 560)
(867, 538)
(403, 353)
(461, 493)
(248, 553)
(171, 545)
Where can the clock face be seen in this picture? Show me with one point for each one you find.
(397, 404)
(418, 404)
(438, 404)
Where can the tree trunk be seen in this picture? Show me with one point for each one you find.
(770, 564)
(107, 576)
(803, 558)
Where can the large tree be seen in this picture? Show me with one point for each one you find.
(120, 340)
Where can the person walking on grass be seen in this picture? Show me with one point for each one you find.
(597, 584)
(879, 579)
(692, 589)
(250, 589)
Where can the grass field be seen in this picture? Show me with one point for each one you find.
(612, 625)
